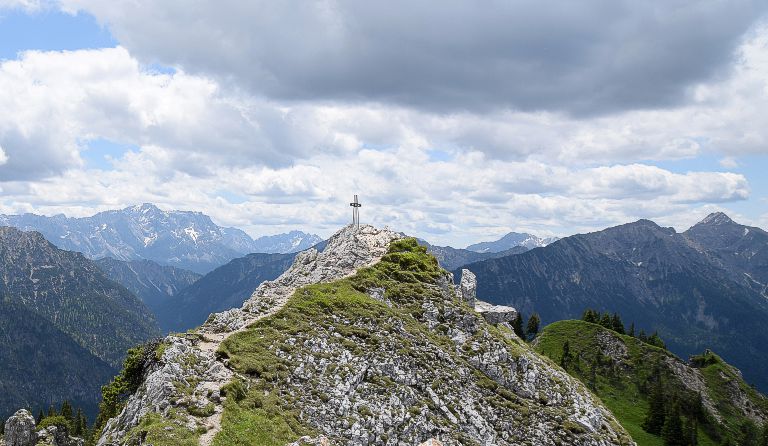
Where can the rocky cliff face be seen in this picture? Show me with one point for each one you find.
(689, 287)
(367, 342)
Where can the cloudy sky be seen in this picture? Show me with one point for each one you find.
(456, 121)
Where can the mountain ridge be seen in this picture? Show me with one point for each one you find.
(186, 239)
(73, 321)
(653, 275)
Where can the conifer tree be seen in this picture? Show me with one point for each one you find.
(517, 326)
(654, 420)
(533, 325)
(632, 330)
(642, 336)
(81, 425)
(656, 341)
(40, 416)
(66, 411)
(672, 431)
(616, 324)
(590, 315)
(51, 411)
(606, 321)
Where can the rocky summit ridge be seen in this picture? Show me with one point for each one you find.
(367, 342)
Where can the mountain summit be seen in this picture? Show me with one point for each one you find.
(365, 342)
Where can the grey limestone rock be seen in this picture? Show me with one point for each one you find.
(468, 287)
(495, 314)
(20, 429)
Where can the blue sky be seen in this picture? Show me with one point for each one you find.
(50, 30)
(459, 132)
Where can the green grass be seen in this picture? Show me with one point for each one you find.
(622, 388)
(406, 272)
(259, 420)
(161, 431)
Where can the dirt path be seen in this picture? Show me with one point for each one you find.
(210, 344)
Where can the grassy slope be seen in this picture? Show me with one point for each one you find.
(263, 414)
(266, 414)
(622, 390)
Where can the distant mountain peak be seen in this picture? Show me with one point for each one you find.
(511, 240)
(716, 218)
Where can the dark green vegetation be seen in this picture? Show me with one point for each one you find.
(151, 282)
(657, 397)
(113, 395)
(223, 288)
(74, 422)
(340, 318)
(614, 322)
(64, 325)
(691, 288)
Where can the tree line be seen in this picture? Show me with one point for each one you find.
(614, 322)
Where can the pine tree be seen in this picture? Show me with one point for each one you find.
(590, 315)
(632, 330)
(517, 325)
(81, 424)
(66, 411)
(40, 416)
(654, 420)
(616, 324)
(606, 321)
(642, 336)
(565, 360)
(672, 431)
(656, 341)
(51, 411)
(533, 325)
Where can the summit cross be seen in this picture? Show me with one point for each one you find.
(356, 212)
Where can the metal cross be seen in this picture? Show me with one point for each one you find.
(355, 212)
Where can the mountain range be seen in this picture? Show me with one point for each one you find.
(65, 326)
(704, 288)
(451, 258)
(511, 240)
(188, 240)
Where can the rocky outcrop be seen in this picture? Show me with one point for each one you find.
(422, 366)
(20, 429)
(468, 287)
(56, 436)
(186, 382)
(496, 314)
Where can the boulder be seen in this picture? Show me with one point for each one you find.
(496, 314)
(20, 429)
(468, 287)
